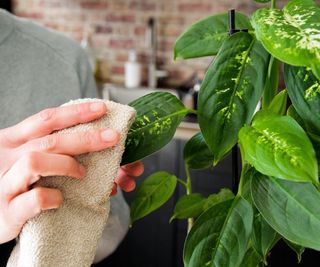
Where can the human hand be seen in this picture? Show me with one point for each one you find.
(125, 177)
(28, 151)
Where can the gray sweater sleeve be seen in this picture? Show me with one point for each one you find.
(42, 68)
(88, 87)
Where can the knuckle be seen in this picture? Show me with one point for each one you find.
(49, 142)
(87, 138)
(47, 114)
(31, 160)
(78, 109)
(71, 167)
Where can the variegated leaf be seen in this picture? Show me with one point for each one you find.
(292, 34)
(230, 91)
(277, 146)
(304, 92)
(158, 116)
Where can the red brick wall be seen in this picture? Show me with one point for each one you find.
(121, 24)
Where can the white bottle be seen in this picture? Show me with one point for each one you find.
(86, 45)
(132, 71)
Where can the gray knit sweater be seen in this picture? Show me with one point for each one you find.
(40, 68)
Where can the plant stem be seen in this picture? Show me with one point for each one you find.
(182, 182)
(188, 191)
(273, 3)
(193, 111)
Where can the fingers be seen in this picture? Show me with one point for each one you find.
(125, 181)
(134, 169)
(49, 120)
(114, 190)
(31, 203)
(32, 166)
(73, 144)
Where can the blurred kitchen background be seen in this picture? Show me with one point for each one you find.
(130, 44)
(116, 26)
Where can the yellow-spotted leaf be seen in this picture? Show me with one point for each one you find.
(278, 146)
(158, 116)
(230, 91)
(291, 34)
(304, 92)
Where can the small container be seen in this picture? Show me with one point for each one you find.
(132, 71)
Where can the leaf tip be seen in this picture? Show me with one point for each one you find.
(215, 161)
(172, 218)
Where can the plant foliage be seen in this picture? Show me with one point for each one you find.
(278, 195)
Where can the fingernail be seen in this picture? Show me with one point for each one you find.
(97, 106)
(82, 170)
(109, 135)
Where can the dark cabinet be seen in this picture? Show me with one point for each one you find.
(153, 242)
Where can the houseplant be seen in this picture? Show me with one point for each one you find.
(278, 195)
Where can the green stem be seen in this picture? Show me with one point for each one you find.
(240, 189)
(271, 86)
(193, 111)
(273, 3)
(189, 191)
(182, 182)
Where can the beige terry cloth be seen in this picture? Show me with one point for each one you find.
(68, 236)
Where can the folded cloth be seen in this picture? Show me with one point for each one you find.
(116, 228)
(68, 236)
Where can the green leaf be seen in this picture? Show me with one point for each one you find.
(188, 206)
(296, 248)
(293, 113)
(304, 92)
(251, 259)
(291, 208)
(292, 34)
(264, 237)
(279, 103)
(213, 199)
(205, 37)
(196, 153)
(244, 185)
(230, 91)
(220, 235)
(315, 139)
(158, 116)
(152, 194)
(272, 82)
(277, 146)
